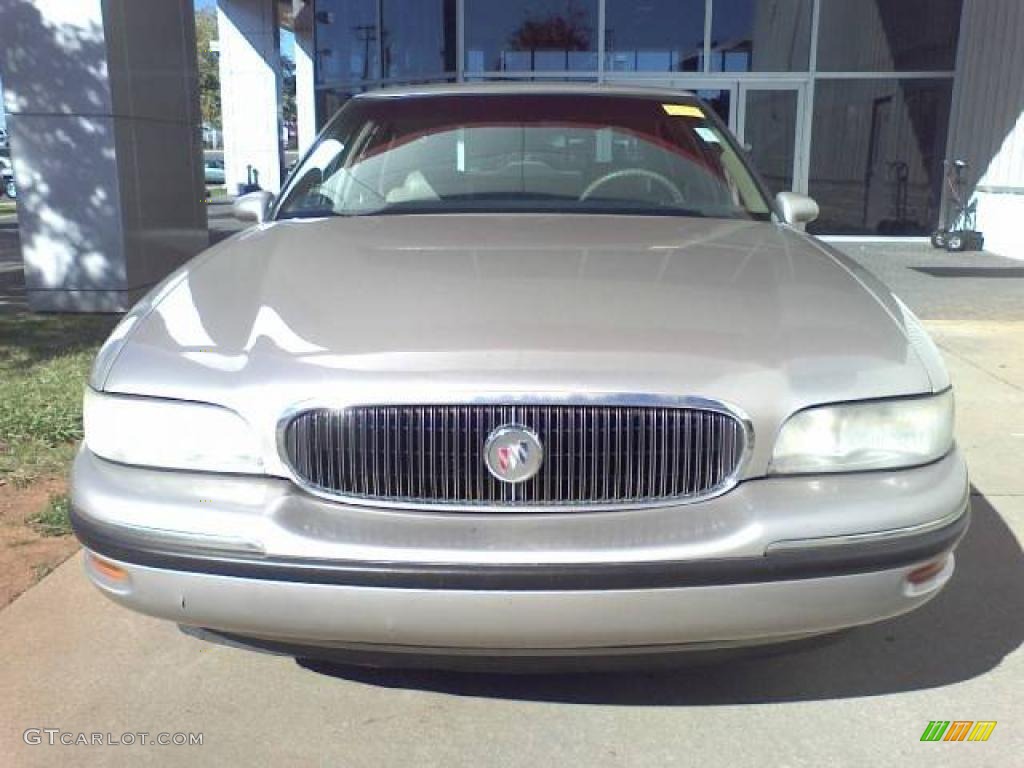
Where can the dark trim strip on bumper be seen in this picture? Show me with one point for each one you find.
(818, 562)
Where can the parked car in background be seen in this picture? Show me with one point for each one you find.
(520, 370)
(213, 171)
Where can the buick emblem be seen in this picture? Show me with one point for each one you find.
(513, 453)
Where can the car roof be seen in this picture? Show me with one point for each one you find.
(528, 88)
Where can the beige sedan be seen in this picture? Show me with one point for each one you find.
(520, 371)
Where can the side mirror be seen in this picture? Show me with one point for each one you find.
(254, 206)
(796, 209)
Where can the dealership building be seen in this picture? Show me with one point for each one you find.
(858, 103)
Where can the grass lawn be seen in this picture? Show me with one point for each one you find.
(44, 364)
(53, 519)
(8, 206)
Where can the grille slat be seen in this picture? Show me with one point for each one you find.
(434, 454)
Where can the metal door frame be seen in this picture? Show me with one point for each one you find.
(800, 153)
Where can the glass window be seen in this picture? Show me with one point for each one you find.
(419, 37)
(769, 130)
(719, 100)
(876, 155)
(347, 46)
(556, 152)
(525, 35)
(888, 35)
(760, 35)
(328, 102)
(654, 35)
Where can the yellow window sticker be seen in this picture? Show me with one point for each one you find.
(682, 110)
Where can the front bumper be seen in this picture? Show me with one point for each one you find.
(494, 622)
(257, 558)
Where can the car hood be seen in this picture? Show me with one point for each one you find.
(427, 308)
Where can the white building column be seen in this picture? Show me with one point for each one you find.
(250, 83)
(103, 114)
(987, 127)
(305, 86)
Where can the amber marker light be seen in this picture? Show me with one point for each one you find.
(107, 569)
(926, 572)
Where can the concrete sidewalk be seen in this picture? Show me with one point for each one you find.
(70, 659)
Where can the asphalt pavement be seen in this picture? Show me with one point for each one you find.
(12, 280)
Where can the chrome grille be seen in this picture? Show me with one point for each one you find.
(593, 454)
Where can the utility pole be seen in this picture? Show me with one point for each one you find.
(367, 33)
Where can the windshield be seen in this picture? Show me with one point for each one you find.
(564, 153)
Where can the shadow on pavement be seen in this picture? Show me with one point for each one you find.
(965, 632)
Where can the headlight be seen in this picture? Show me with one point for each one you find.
(883, 434)
(169, 433)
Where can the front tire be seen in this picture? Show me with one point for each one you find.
(956, 242)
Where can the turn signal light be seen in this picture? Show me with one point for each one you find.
(926, 572)
(107, 569)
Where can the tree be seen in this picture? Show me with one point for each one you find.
(556, 31)
(289, 111)
(209, 67)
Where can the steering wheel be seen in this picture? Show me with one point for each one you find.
(664, 181)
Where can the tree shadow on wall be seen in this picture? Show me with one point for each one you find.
(79, 208)
(66, 173)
